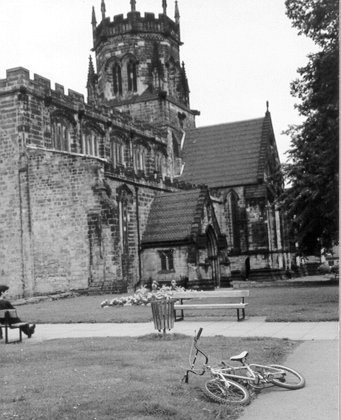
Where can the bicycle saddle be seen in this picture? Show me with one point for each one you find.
(240, 356)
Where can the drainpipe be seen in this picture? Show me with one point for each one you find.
(138, 231)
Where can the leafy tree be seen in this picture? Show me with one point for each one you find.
(311, 200)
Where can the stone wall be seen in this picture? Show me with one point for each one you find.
(152, 265)
(11, 209)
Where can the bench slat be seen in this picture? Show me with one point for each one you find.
(211, 294)
(212, 306)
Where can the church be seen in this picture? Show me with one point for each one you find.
(120, 189)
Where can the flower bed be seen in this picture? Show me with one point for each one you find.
(143, 296)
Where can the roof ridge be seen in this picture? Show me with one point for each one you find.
(228, 123)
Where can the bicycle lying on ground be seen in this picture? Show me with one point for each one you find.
(231, 384)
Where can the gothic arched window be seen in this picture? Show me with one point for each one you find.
(61, 130)
(91, 140)
(117, 152)
(131, 73)
(234, 219)
(117, 79)
(125, 199)
(139, 159)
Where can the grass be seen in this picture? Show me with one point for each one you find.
(273, 303)
(118, 378)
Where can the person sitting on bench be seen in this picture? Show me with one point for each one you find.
(5, 304)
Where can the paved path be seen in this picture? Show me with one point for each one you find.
(317, 361)
(247, 328)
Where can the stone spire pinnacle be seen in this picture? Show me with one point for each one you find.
(91, 73)
(177, 14)
(103, 9)
(133, 5)
(164, 6)
(93, 18)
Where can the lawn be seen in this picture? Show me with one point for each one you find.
(118, 378)
(273, 303)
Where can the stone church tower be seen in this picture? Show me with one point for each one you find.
(139, 68)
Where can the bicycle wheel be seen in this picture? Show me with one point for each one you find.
(232, 392)
(290, 379)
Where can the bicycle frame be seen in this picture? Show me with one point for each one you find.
(214, 372)
(252, 377)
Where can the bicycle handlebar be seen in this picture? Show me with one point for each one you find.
(199, 334)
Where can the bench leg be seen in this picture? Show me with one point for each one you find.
(181, 317)
(243, 315)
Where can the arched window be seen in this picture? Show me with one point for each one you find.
(90, 142)
(117, 79)
(117, 153)
(61, 134)
(167, 260)
(124, 197)
(159, 164)
(234, 219)
(131, 73)
(139, 159)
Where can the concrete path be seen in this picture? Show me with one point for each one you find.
(247, 328)
(317, 361)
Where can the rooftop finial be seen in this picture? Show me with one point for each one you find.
(103, 9)
(177, 14)
(133, 5)
(267, 107)
(93, 18)
(164, 6)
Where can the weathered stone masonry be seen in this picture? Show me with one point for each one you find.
(60, 222)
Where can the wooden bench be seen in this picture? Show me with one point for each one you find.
(5, 316)
(233, 299)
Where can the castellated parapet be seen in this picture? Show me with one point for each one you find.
(135, 23)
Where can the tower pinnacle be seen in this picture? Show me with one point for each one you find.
(133, 5)
(164, 6)
(177, 14)
(93, 18)
(103, 9)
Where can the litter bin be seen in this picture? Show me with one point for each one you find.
(163, 315)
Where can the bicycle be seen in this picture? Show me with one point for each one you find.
(219, 388)
(254, 376)
(262, 376)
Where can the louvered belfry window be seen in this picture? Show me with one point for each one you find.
(117, 79)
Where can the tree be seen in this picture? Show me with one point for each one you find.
(311, 200)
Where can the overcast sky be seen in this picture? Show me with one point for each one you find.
(238, 53)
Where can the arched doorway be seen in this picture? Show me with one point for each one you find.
(212, 253)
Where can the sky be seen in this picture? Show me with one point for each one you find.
(238, 53)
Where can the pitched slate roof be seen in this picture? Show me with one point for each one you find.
(173, 216)
(226, 154)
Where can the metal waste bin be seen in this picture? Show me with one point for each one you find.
(163, 315)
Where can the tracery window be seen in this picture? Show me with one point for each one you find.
(124, 196)
(159, 164)
(139, 159)
(117, 153)
(167, 259)
(131, 73)
(61, 135)
(90, 142)
(234, 218)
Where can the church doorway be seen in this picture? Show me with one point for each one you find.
(212, 253)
